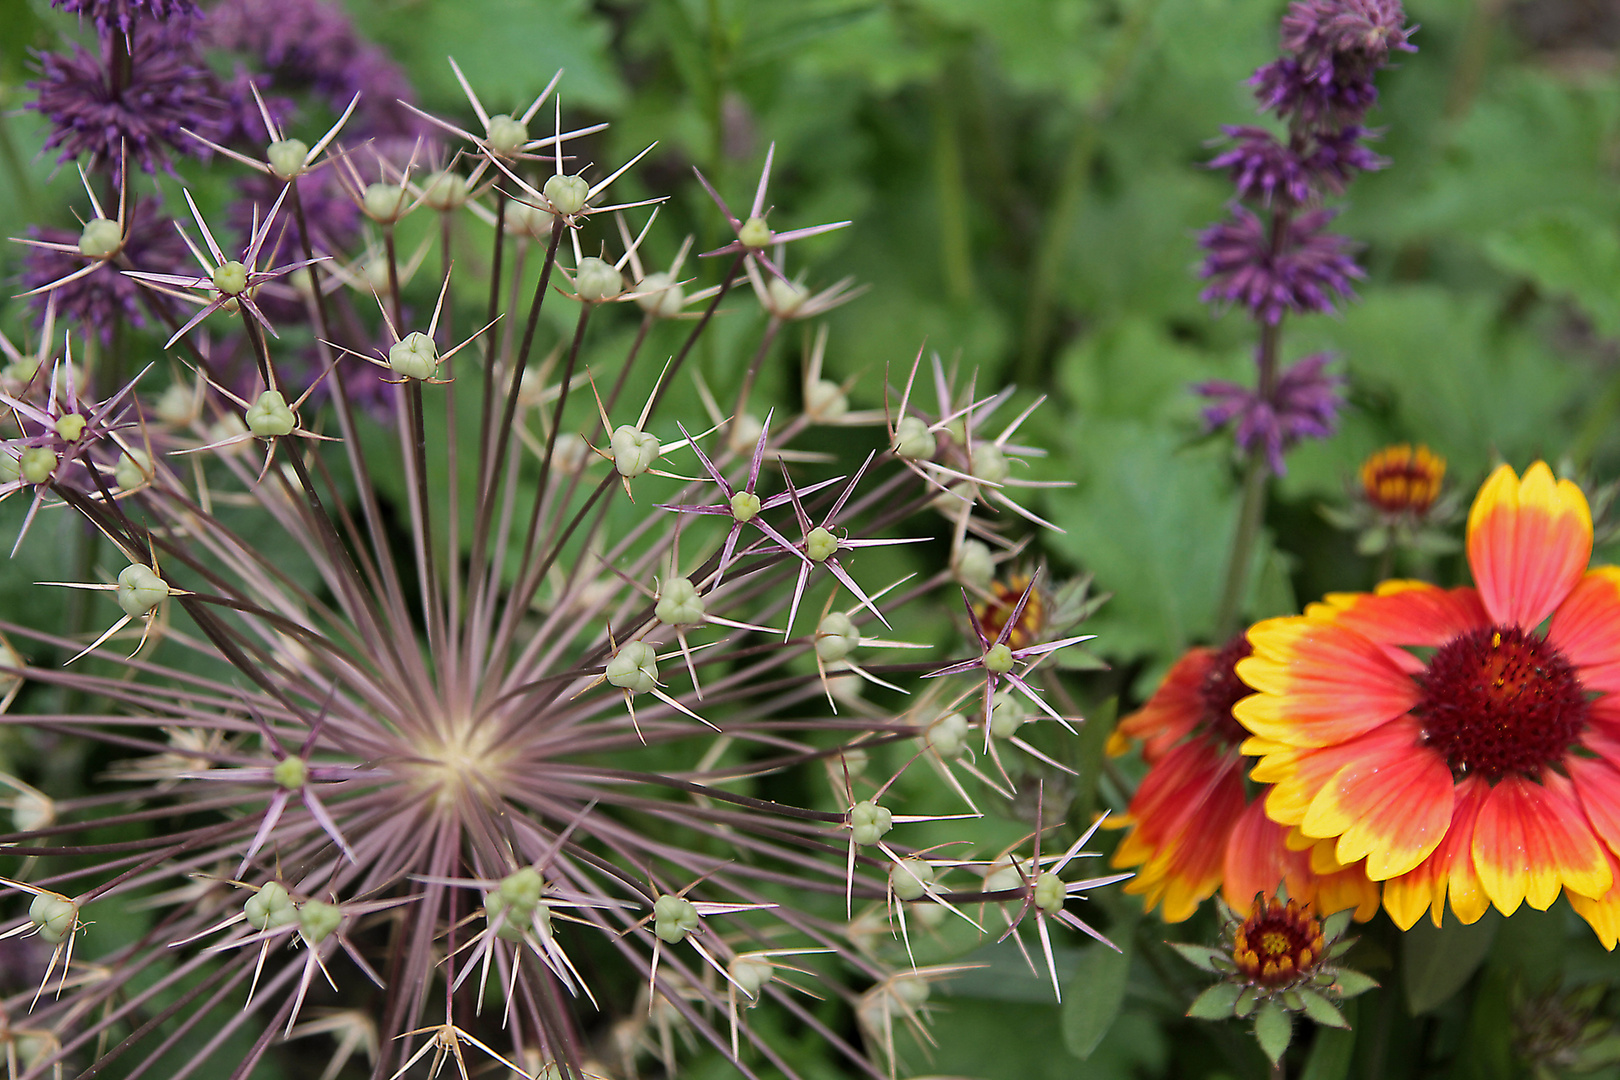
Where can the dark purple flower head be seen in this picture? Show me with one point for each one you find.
(309, 43)
(1304, 405)
(1349, 35)
(242, 124)
(122, 16)
(167, 88)
(334, 220)
(1336, 156)
(1298, 93)
(96, 300)
(1262, 168)
(1305, 269)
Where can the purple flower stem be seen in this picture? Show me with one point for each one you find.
(1255, 473)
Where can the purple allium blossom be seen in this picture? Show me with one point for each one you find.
(334, 220)
(1302, 269)
(314, 44)
(124, 15)
(1304, 405)
(97, 300)
(95, 113)
(242, 123)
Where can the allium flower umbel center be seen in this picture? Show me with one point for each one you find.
(1497, 700)
(1222, 689)
(1277, 943)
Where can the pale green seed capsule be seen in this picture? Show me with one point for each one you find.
(947, 736)
(974, 566)
(54, 915)
(998, 658)
(317, 919)
(911, 989)
(22, 370)
(673, 918)
(1050, 893)
(660, 295)
(286, 158)
(989, 463)
(912, 439)
(596, 280)
(231, 278)
(31, 810)
(750, 974)
(679, 603)
(101, 239)
(820, 544)
(71, 425)
(786, 297)
(271, 907)
(836, 637)
(290, 773)
(36, 464)
(177, 404)
(134, 468)
(910, 878)
(505, 134)
(414, 356)
(854, 760)
(535, 222)
(446, 191)
(745, 506)
(386, 202)
(269, 416)
(634, 667)
(1007, 715)
(869, 822)
(755, 234)
(140, 590)
(567, 194)
(824, 402)
(522, 888)
(634, 451)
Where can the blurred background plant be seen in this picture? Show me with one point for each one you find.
(1027, 179)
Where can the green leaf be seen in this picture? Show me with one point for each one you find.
(1566, 252)
(1273, 1029)
(1092, 997)
(1322, 1011)
(1353, 983)
(1199, 955)
(1438, 961)
(1216, 1003)
(1334, 926)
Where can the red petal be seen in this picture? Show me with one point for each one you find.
(1586, 627)
(1528, 543)
(1531, 838)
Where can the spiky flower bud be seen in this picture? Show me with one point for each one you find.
(70, 426)
(447, 190)
(596, 280)
(947, 736)
(869, 822)
(634, 450)
(54, 915)
(989, 463)
(386, 203)
(566, 194)
(1007, 714)
(998, 658)
(36, 464)
(660, 295)
(745, 506)
(133, 468)
(140, 590)
(1050, 893)
(414, 356)
(973, 565)
(679, 603)
(913, 441)
(673, 918)
(820, 545)
(230, 278)
(755, 234)
(634, 667)
(836, 636)
(269, 416)
(506, 134)
(290, 773)
(101, 238)
(270, 908)
(317, 919)
(825, 402)
(750, 974)
(519, 896)
(286, 158)
(525, 219)
(787, 297)
(910, 878)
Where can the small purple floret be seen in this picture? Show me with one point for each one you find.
(1304, 405)
(1305, 269)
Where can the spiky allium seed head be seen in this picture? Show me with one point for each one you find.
(98, 300)
(141, 112)
(503, 770)
(123, 15)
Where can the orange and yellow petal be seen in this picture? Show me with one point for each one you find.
(1319, 683)
(1529, 542)
(1391, 804)
(1602, 913)
(1173, 711)
(1586, 628)
(1298, 775)
(1259, 858)
(1182, 814)
(1404, 614)
(1597, 787)
(1449, 869)
(1531, 838)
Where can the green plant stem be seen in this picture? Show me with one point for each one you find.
(955, 248)
(1253, 510)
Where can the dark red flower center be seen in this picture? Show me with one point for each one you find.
(1222, 689)
(1004, 596)
(1277, 943)
(1498, 700)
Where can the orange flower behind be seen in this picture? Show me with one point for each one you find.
(1464, 742)
(1194, 828)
